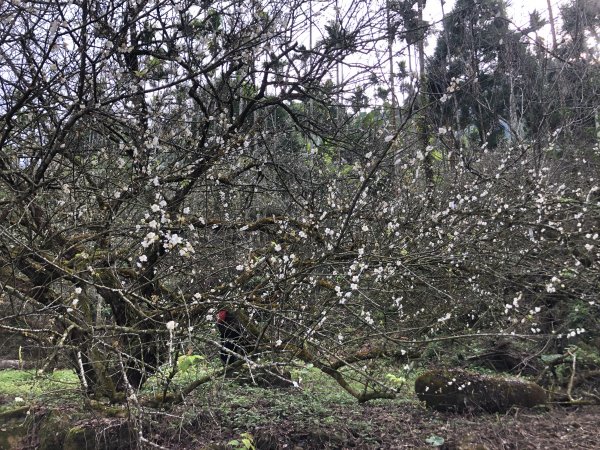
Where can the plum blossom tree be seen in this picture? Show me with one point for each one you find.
(155, 166)
(162, 161)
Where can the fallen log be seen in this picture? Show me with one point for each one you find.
(460, 391)
(10, 364)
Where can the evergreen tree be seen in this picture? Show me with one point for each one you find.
(469, 68)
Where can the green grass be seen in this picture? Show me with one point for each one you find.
(242, 406)
(233, 406)
(320, 402)
(26, 384)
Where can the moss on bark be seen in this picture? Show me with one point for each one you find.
(457, 390)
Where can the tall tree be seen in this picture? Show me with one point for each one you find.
(137, 139)
(468, 64)
(154, 171)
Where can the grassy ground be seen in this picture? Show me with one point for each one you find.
(318, 415)
(25, 386)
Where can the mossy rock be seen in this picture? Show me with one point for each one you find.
(13, 436)
(98, 435)
(457, 390)
(14, 429)
(12, 414)
(73, 430)
(54, 427)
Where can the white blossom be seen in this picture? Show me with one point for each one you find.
(174, 239)
(444, 318)
(186, 250)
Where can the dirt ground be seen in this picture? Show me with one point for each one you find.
(411, 426)
(556, 429)
(383, 426)
(317, 417)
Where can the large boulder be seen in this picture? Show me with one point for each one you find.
(458, 390)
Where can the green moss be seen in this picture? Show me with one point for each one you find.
(27, 384)
(12, 437)
(53, 429)
(90, 437)
(14, 428)
(79, 438)
(13, 414)
(459, 390)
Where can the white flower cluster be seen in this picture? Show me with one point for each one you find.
(149, 239)
(515, 303)
(170, 240)
(575, 332)
(551, 287)
(367, 317)
(453, 87)
(445, 318)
